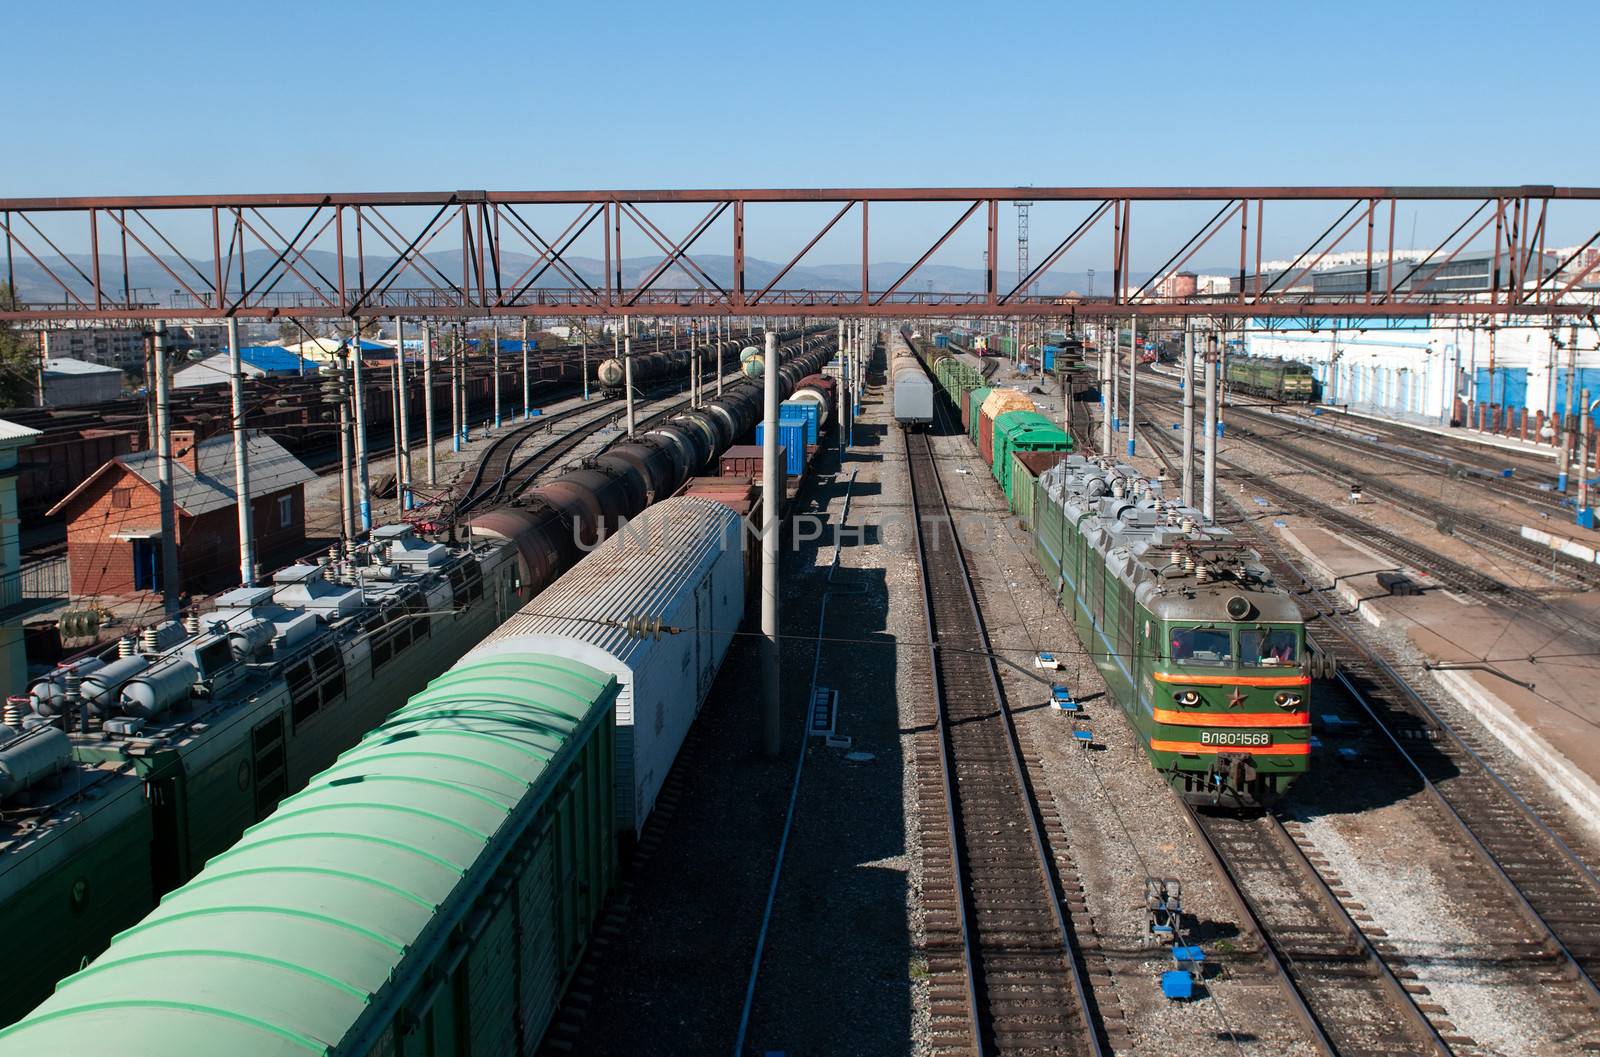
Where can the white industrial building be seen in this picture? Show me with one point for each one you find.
(1428, 373)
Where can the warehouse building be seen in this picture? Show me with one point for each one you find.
(255, 361)
(68, 382)
(114, 517)
(1440, 372)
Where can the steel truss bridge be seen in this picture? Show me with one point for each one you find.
(478, 254)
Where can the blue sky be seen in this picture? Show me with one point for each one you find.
(183, 97)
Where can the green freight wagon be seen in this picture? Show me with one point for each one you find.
(430, 893)
(1026, 466)
(969, 410)
(1023, 431)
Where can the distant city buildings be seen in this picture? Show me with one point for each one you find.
(125, 347)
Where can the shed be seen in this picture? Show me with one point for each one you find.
(256, 361)
(114, 517)
(68, 381)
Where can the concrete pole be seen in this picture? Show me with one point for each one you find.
(402, 422)
(527, 387)
(1209, 508)
(1107, 408)
(427, 399)
(169, 514)
(494, 372)
(771, 500)
(627, 378)
(1133, 376)
(347, 495)
(455, 388)
(1583, 453)
(1563, 439)
(719, 355)
(241, 459)
(394, 427)
(1116, 379)
(1188, 415)
(585, 365)
(394, 432)
(363, 482)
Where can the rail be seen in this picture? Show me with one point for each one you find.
(1021, 971)
(1549, 884)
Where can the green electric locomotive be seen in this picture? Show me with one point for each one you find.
(1285, 380)
(1205, 655)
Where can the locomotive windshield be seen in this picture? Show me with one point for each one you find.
(1202, 645)
(1268, 647)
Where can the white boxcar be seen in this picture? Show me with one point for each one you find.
(681, 561)
(913, 392)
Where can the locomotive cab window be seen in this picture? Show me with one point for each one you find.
(1201, 645)
(1269, 647)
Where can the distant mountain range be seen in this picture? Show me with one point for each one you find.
(153, 278)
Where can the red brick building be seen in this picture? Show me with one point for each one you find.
(114, 517)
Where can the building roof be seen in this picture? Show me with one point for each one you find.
(298, 939)
(324, 349)
(65, 365)
(12, 431)
(271, 469)
(257, 360)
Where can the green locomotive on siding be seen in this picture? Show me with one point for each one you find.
(1203, 653)
(1286, 380)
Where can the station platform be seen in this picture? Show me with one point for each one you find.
(1464, 434)
(1531, 677)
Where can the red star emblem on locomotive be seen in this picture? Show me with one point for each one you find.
(1236, 698)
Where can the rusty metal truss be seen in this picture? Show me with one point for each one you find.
(480, 254)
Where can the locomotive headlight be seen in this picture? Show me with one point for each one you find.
(1186, 697)
(1288, 700)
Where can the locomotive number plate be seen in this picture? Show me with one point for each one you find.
(1234, 737)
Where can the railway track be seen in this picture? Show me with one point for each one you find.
(494, 467)
(1447, 572)
(1517, 860)
(1455, 460)
(1565, 570)
(1351, 1001)
(1008, 975)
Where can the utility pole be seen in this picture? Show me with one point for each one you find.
(1585, 515)
(694, 368)
(1209, 508)
(427, 398)
(719, 355)
(403, 421)
(455, 388)
(1563, 437)
(1107, 408)
(394, 430)
(627, 378)
(169, 516)
(494, 371)
(347, 496)
(359, 397)
(527, 388)
(585, 353)
(771, 499)
(1188, 414)
(241, 459)
(1133, 376)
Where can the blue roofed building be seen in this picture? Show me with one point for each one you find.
(257, 361)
